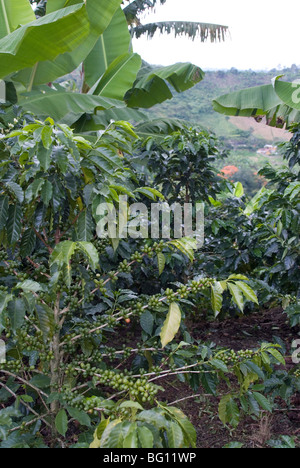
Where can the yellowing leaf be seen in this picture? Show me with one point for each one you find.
(171, 325)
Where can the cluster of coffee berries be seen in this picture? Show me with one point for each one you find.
(100, 283)
(229, 357)
(170, 295)
(29, 342)
(113, 276)
(183, 291)
(3, 256)
(22, 276)
(154, 301)
(137, 309)
(147, 249)
(158, 246)
(124, 267)
(13, 366)
(12, 267)
(137, 257)
(101, 245)
(196, 286)
(246, 353)
(297, 373)
(138, 388)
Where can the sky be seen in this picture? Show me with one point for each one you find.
(263, 34)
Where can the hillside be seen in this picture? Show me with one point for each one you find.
(241, 136)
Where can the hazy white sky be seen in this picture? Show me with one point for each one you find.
(263, 34)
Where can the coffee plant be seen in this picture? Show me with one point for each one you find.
(73, 376)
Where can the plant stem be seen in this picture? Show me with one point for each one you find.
(55, 363)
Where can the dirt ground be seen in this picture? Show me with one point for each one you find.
(261, 129)
(241, 333)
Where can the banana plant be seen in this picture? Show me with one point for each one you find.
(191, 29)
(279, 102)
(93, 35)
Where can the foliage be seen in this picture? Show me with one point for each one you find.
(161, 427)
(279, 102)
(94, 36)
(191, 29)
(62, 303)
(181, 164)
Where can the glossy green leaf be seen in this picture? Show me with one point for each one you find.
(247, 291)
(187, 427)
(29, 286)
(45, 320)
(85, 226)
(27, 242)
(79, 416)
(263, 401)
(61, 422)
(147, 322)
(62, 253)
(145, 437)
(185, 245)
(229, 411)
(46, 192)
(14, 225)
(3, 211)
(90, 252)
(16, 311)
(175, 435)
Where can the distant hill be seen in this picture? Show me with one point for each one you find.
(195, 105)
(241, 136)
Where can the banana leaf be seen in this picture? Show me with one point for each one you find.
(50, 70)
(119, 76)
(35, 42)
(277, 102)
(92, 123)
(14, 14)
(63, 106)
(153, 87)
(114, 42)
(289, 93)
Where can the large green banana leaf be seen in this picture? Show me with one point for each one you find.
(158, 128)
(49, 71)
(115, 41)
(44, 39)
(54, 5)
(153, 88)
(119, 77)
(93, 123)
(277, 101)
(63, 106)
(248, 102)
(14, 14)
(289, 93)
